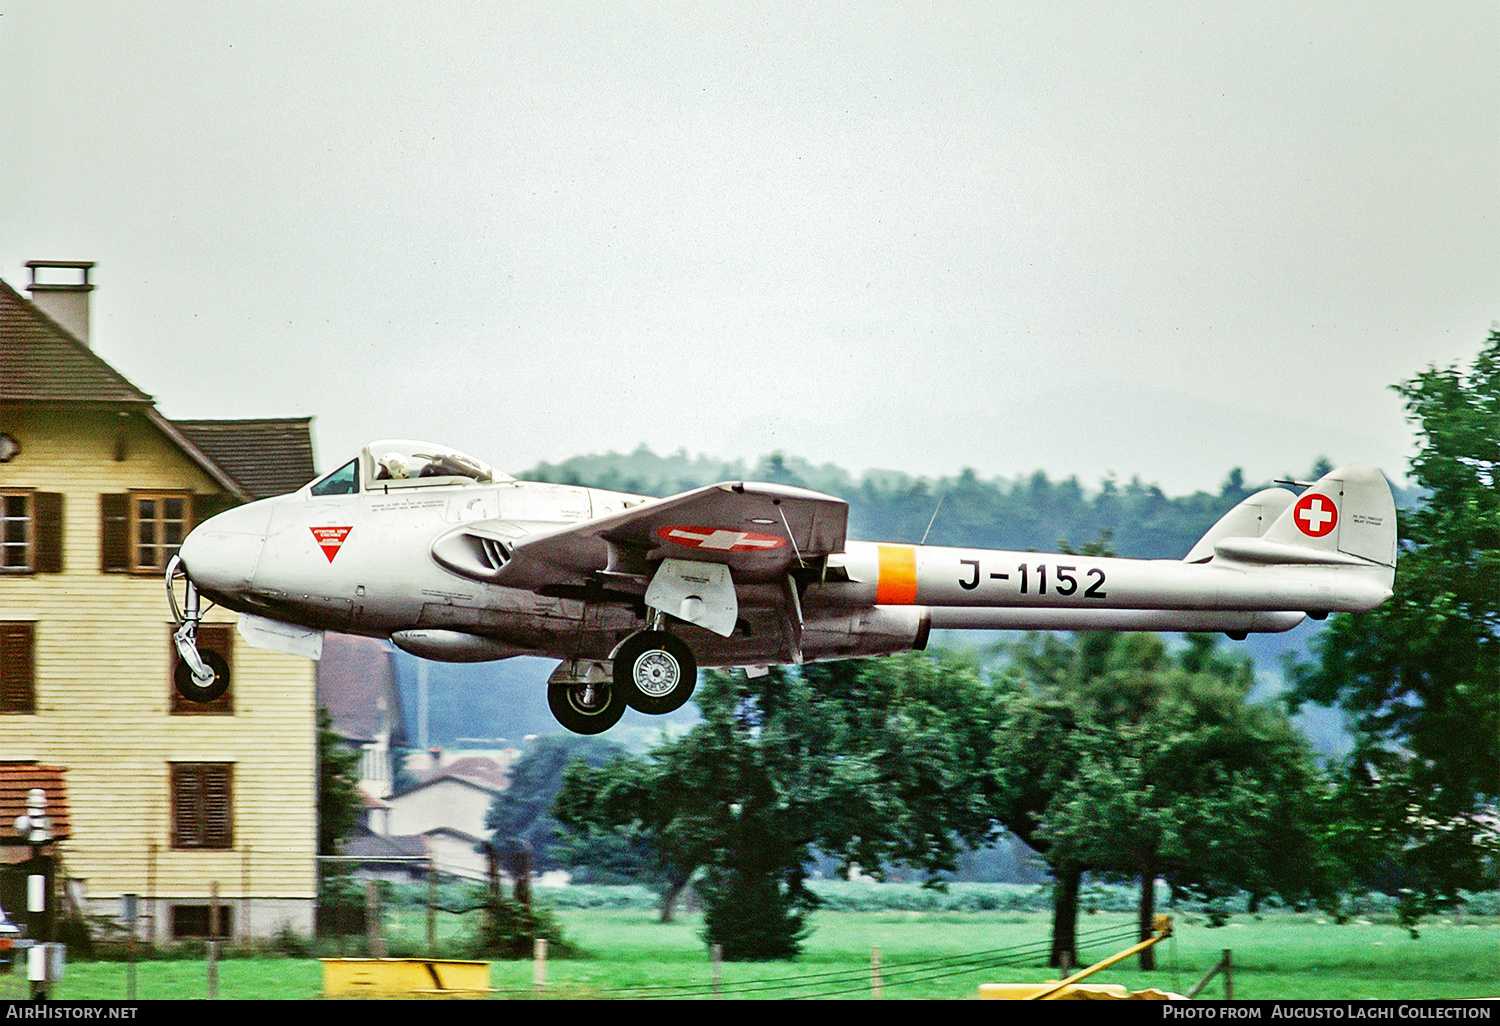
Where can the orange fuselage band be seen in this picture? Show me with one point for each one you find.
(898, 575)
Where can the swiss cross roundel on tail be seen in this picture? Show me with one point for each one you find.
(330, 539)
(1315, 515)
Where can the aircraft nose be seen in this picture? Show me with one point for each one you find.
(220, 554)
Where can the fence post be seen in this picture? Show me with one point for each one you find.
(130, 913)
(431, 910)
(539, 963)
(213, 940)
(875, 972)
(375, 941)
(1223, 965)
(716, 955)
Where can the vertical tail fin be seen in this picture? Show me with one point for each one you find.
(1349, 510)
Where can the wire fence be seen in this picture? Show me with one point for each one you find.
(890, 978)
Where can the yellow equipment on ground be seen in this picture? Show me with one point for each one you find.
(404, 977)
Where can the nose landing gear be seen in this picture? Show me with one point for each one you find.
(199, 676)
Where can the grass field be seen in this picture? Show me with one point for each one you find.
(923, 955)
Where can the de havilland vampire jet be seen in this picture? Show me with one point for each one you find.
(452, 561)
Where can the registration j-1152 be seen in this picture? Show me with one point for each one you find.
(1036, 578)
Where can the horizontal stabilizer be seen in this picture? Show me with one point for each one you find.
(1250, 519)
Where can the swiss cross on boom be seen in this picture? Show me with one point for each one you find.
(330, 539)
(1316, 515)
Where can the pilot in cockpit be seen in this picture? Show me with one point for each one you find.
(392, 467)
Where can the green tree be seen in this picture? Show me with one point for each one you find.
(875, 762)
(522, 813)
(1120, 756)
(1418, 676)
(340, 803)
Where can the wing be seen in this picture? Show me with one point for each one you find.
(758, 530)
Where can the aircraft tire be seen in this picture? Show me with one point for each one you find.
(655, 671)
(586, 708)
(188, 686)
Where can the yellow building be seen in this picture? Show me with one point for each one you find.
(97, 489)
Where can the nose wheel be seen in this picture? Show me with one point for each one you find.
(188, 685)
(198, 676)
(656, 672)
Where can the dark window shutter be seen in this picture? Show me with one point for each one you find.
(48, 509)
(187, 827)
(17, 668)
(218, 814)
(202, 805)
(114, 534)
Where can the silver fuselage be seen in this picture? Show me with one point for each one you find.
(363, 563)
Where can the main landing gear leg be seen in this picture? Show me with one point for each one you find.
(198, 676)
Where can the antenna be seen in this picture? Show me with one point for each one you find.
(933, 520)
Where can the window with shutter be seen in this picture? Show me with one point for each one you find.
(17, 667)
(141, 531)
(30, 531)
(202, 805)
(158, 523)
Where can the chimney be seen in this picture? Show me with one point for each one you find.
(66, 302)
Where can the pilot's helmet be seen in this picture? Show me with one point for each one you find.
(395, 465)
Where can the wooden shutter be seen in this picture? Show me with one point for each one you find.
(17, 668)
(114, 534)
(47, 509)
(202, 805)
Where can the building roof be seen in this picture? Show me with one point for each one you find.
(41, 362)
(487, 783)
(267, 457)
(357, 685)
(374, 847)
(16, 781)
(475, 769)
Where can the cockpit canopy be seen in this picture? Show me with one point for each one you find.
(403, 463)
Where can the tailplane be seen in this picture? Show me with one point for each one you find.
(1250, 519)
(1348, 511)
(1346, 520)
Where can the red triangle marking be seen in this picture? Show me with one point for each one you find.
(330, 539)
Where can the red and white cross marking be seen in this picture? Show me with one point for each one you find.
(719, 540)
(330, 539)
(1315, 515)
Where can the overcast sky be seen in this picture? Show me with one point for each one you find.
(1141, 239)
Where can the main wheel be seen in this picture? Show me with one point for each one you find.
(586, 707)
(188, 686)
(656, 672)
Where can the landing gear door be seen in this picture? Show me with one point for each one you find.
(700, 593)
